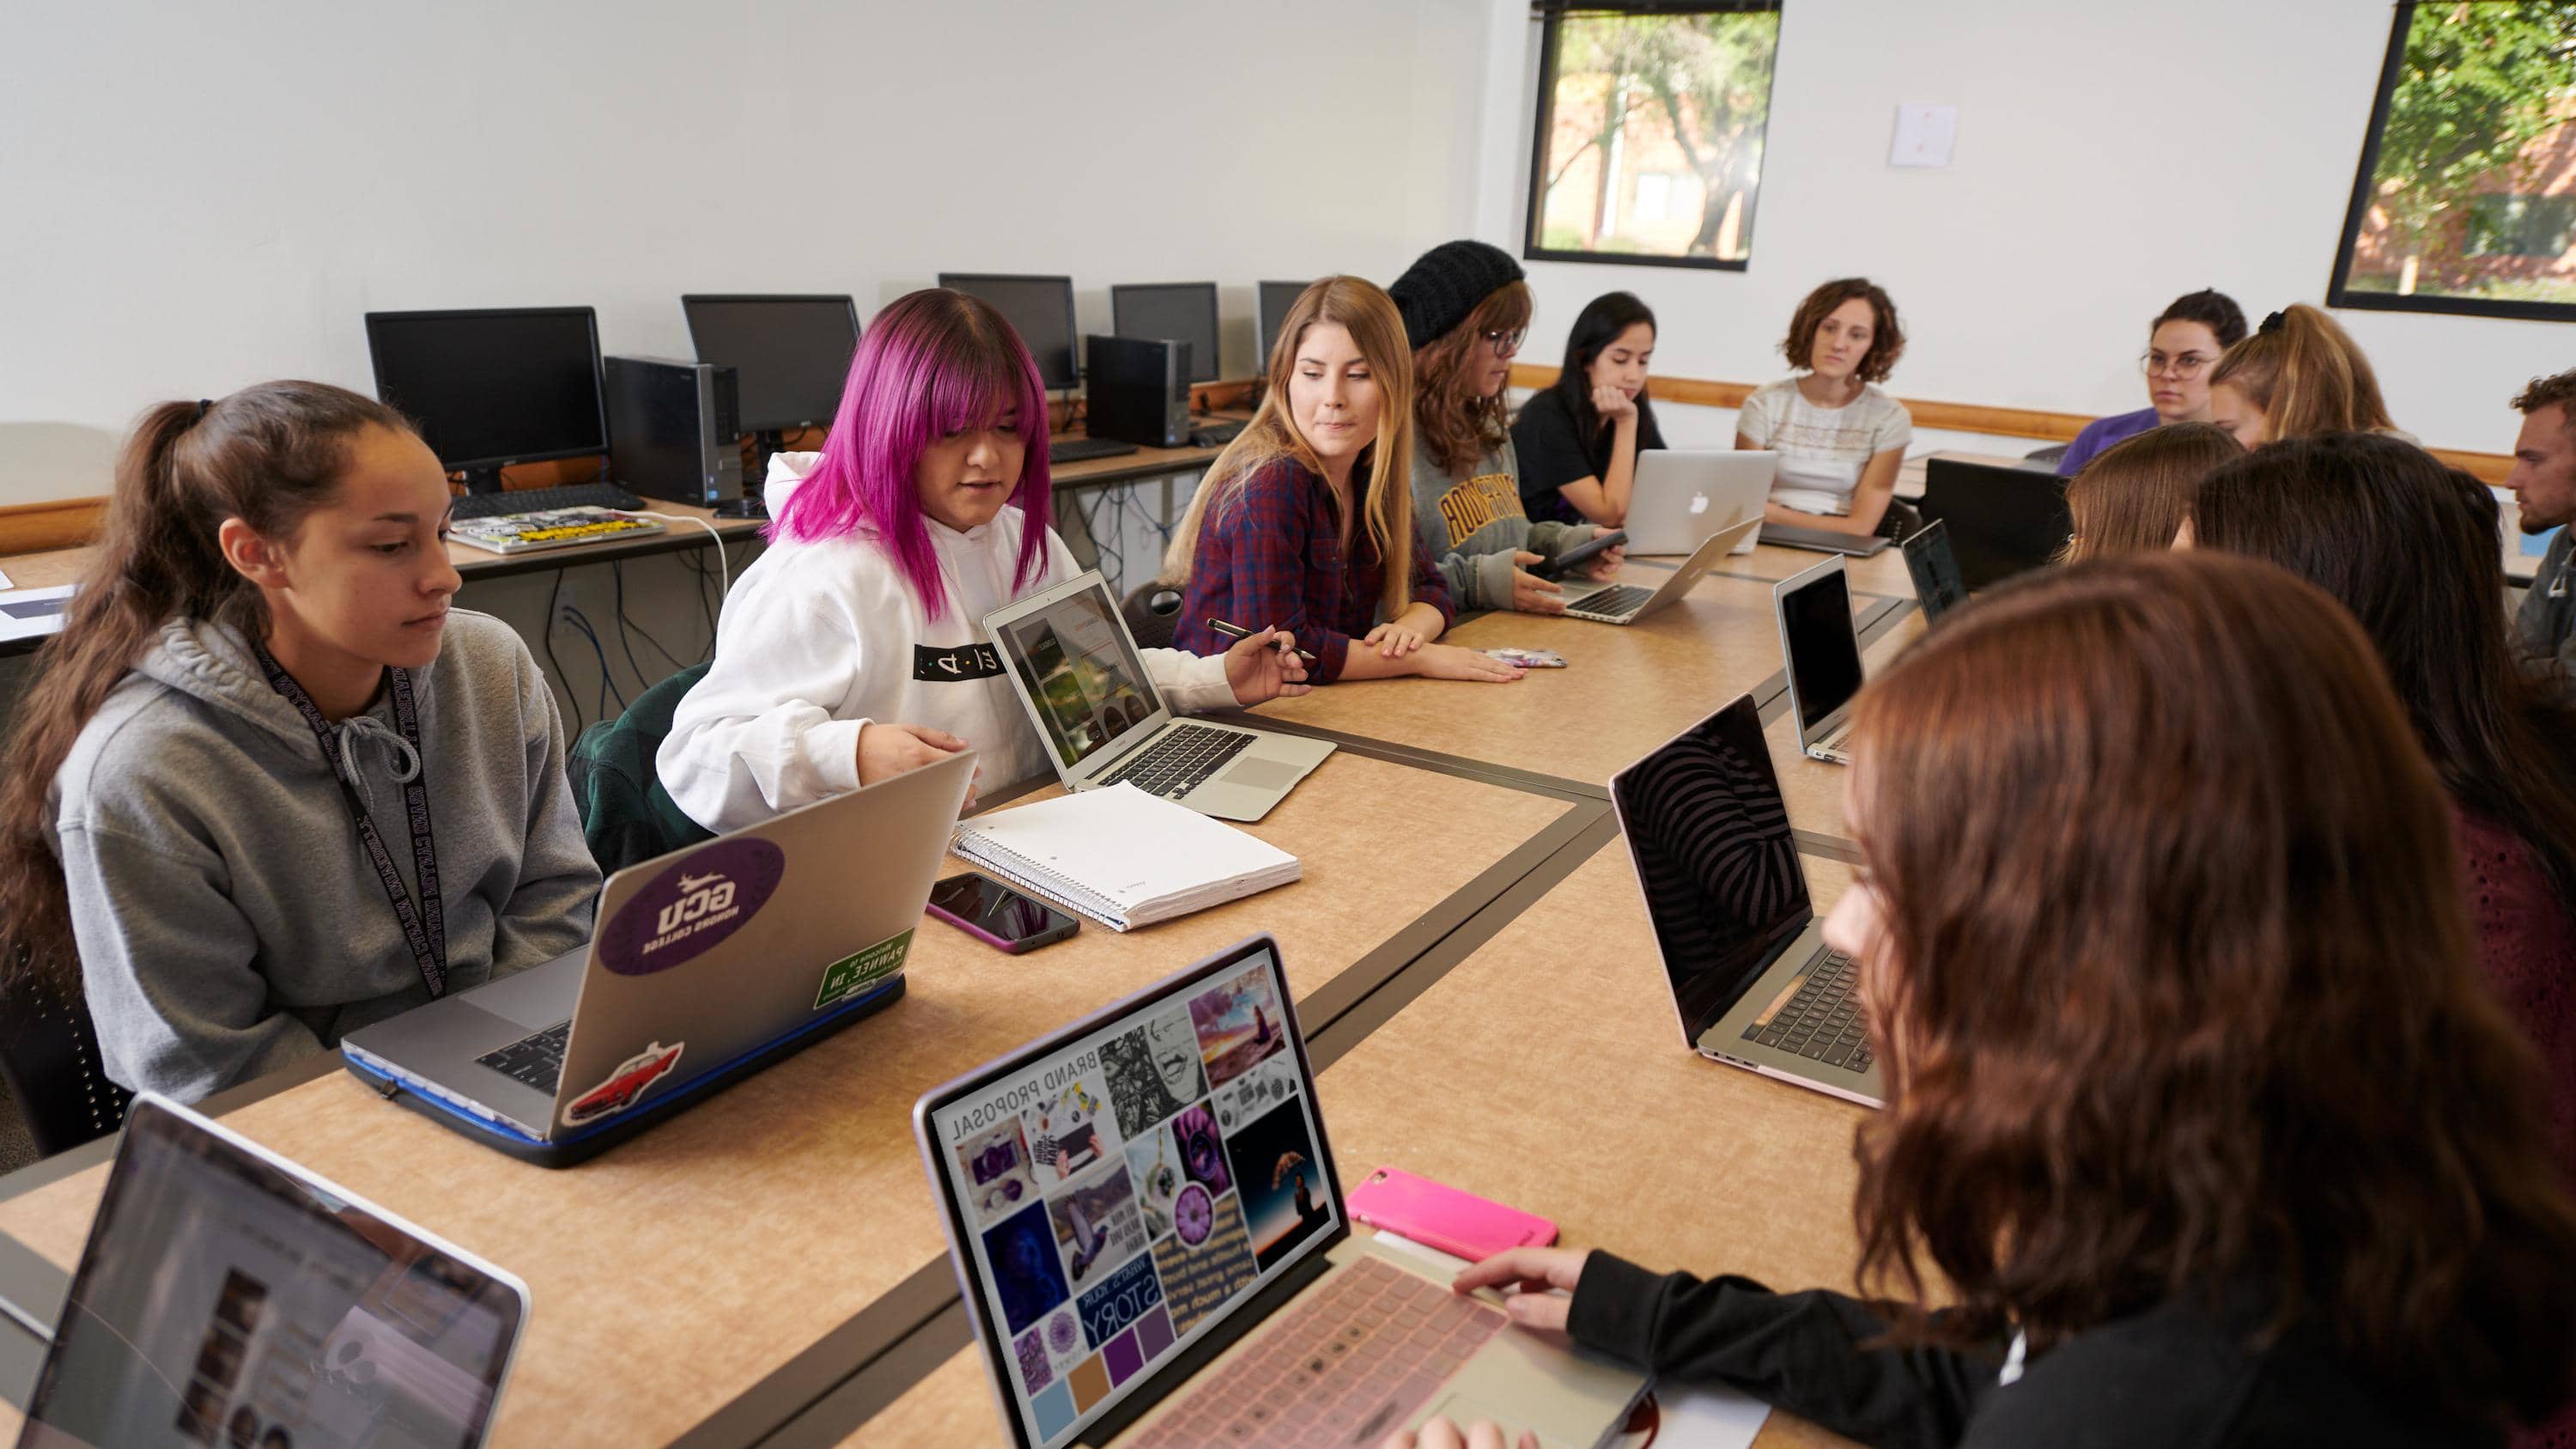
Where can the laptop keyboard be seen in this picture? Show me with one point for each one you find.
(1616, 600)
(1823, 1022)
(1180, 761)
(536, 1059)
(1345, 1367)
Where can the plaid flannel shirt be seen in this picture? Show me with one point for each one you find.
(1272, 554)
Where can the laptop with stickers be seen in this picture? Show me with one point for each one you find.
(228, 1296)
(705, 966)
(1147, 1226)
(1074, 665)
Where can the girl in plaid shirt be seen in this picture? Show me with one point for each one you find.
(1305, 522)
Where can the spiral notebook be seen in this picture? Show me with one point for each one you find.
(1123, 857)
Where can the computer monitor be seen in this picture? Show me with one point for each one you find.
(1040, 309)
(494, 386)
(1276, 298)
(1172, 312)
(790, 354)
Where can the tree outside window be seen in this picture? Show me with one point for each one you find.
(1648, 143)
(2466, 197)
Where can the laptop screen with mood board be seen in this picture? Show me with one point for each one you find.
(1118, 1190)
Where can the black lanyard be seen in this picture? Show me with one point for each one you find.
(424, 925)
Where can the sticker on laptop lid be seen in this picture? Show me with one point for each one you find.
(625, 1086)
(862, 969)
(692, 906)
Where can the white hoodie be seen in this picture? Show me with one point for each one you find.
(820, 639)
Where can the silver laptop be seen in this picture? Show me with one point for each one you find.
(1753, 980)
(1627, 603)
(1069, 656)
(1148, 1229)
(706, 965)
(1820, 642)
(227, 1296)
(1681, 497)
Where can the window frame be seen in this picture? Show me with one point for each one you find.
(2339, 292)
(1551, 14)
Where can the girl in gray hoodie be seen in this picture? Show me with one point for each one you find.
(267, 785)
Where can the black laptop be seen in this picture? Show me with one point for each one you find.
(2003, 520)
(1935, 568)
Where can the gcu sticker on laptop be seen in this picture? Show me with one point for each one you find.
(692, 906)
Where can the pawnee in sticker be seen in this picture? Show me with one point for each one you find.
(859, 970)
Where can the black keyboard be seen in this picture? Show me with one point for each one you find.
(536, 1060)
(1074, 450)
(1615, 600)
(1823, 1022)
(1177, 763)
(539, 500)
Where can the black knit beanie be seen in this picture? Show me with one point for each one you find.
(1445, 283)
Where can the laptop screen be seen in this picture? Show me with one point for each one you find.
(1078, 665)
(1127, 1189)
(1824, 650)
(224, 1301)
(1937, 585)
(1709, 835)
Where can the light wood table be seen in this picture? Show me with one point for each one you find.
(1627, 688)
(680, 1271)
(1601, 1119)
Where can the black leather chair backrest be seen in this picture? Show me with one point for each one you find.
(49, 1057)
(1152, 612)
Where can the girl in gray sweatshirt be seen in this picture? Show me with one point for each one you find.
(268, 786)
(1466, 309)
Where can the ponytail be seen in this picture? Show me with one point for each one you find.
(267, 455)
(2307, 376)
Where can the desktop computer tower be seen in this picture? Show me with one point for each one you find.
(1138, 391)
(675, 430)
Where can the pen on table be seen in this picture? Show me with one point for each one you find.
(1237, 631)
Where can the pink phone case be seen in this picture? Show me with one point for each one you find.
(1439, 1216)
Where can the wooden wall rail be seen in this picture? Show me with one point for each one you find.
(1958, 417)
(73, 522)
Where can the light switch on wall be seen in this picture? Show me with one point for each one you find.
(1924, 135)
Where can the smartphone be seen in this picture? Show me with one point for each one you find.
(1436, 1215)
(998, 915)
(1582, 553)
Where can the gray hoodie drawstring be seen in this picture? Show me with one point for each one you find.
(404, 760)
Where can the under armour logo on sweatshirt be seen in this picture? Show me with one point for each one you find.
(965, 662)
(1477, 502)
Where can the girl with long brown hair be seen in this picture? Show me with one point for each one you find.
(2196, 1103)
(268, 786)
(2134, 495)
(1466, 311)
(1304, 522)
(2408, 544)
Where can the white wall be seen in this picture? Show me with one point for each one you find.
(195, 197)
(2110, 156)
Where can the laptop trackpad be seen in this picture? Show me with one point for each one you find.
(1260, 774)
(1539, 1383)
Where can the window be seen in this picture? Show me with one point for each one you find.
(1648, 141)
(2466, 196)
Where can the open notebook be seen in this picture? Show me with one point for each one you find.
(1123, 857)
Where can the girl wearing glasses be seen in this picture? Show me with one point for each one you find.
(2183, 343)
(1465, 311)
(1840, 437)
